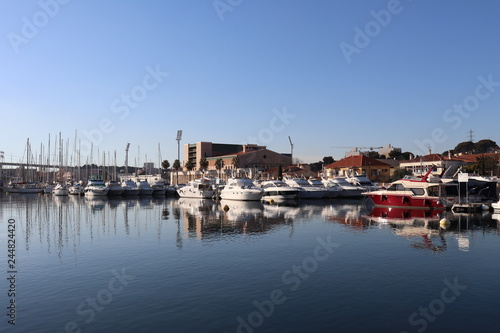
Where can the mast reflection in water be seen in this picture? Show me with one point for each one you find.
(149, 264)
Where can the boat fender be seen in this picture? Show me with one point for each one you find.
(225, 208)
(271, 201)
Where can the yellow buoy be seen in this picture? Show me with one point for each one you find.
(444, 223)
(225, 208)
(271, 201)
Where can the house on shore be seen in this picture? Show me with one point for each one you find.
(375, 169)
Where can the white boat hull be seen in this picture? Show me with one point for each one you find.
(60, 192)
(245, 195)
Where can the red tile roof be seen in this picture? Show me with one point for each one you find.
(356, 161)
(426, 158)
(472, 158)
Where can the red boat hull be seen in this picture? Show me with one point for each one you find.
(384, 199)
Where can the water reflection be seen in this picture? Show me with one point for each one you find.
(430, 230)
(59, 224)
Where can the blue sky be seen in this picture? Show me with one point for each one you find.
(326, 73)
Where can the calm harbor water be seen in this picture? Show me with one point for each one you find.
(188, 265)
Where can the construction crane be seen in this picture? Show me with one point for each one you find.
(126, 158)
(291, 147)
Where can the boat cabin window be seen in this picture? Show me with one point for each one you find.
(418, 191)
(396, 187)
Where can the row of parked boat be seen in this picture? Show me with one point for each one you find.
(276, 190)
(96, 187)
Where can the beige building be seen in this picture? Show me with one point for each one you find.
(374, 169)
(247, 158)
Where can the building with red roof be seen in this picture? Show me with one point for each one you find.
(374, 169)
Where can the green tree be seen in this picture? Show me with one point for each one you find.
(328, 160)
(219, 164)
(400, 173)
(189, 167)
(165, 165)
(203, 164)
(394, 154)
(407, 155)
(484, 146)
(466, 147)
(177, 166)
(486, 165)
(373, 154)
(236, 162)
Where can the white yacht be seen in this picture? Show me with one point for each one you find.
(76, 189)
(60, 190)
(348, 190)
(331, 191)
(96, 187)
(198, 188)
(364, 182)
(277, 190)
(144, 186)
(241, 189)
(130, 187)
(23, 188)
(306, 190)
(159, 187)
(115, 188)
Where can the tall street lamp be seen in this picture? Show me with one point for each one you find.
(179, 137)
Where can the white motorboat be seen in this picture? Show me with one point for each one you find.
(159, 187)
(130, 188)
(115, 188)
(60, 190)
(23, 187)
(241, 189)
(144, 186)
(348, 190)
(331, 191)
(198, 188)
(306, 190)
(76, 189)
(277, 190)
(362, 181)
(96, 187)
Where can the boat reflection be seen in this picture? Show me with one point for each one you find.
(60, 224)
(347, 212)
